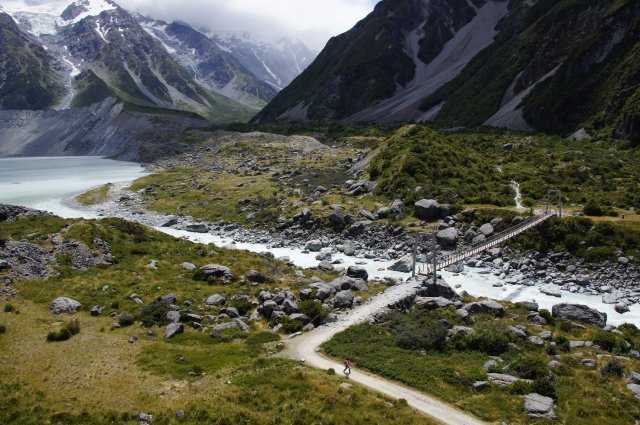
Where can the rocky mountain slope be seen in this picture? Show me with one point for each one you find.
(209, 64)
(108, 128)
(276, 63)
(103, 52)
(544, 65)
(27, 77)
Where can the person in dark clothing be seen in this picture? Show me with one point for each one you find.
(347, 367)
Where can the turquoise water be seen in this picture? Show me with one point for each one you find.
(44, 183)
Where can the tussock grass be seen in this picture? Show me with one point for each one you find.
(94, 196)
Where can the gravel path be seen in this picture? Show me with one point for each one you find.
(306, 347)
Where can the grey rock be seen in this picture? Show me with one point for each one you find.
(64, 305)
(536, 340)
(314, 246)
(215, 299)
(358, 272)
(551, 290)
(487, 230)
(634, 388)
(214, 273)
(486, 306)
(439, 288)
(554, 364)
(188, 266)
(588, 363)
(173, 316)
(480, 385)
(230, 311)
(579, 312)
(427, 209)
(97, 310)
(354, 284)
(403, 265)
(255, 276)
(538, 406)
(503, 378)
(517, 332)
(197, 228)
(300, 317)
(289, 306)
(546, 335)
(459, 329)
(269, 307)
(173, 329)
(447, 238)
(432, 303)
(621, 308)
(343, 299)
(634, 377)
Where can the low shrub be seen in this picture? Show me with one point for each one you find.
(545, 387)
(8, 308)
(314, 310)
(488, 338)
(3, 329)
(530, 366)
(610, 342)
(564, 326)
(546, 314)
(291, 326)
(415, 336)
(155, 313)
(520, 388)
(613, 368)
(562, 343)
(126, 320)
(66, 332)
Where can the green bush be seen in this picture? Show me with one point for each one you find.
(8, 308)
(610, 342)
(530, 366)
(3, 329)
(291, 326)
(594, 209)
(545, 387)
(562, 343)
(613, 368)
(520, 388)
(155, 314)
(487, 338)
(66, 332)
(314, 310)
(564, 326)
(126, 320)
(546, 314)
(414, 336)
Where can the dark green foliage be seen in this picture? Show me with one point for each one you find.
(613, 368)
(610, 342)
(530, 366)
(66, 332)
(545, 387)
(564, 325)
(446, 169)
(155, 314)
(3, 329)
(291, 326)
(562, 343)
(487, 338)
(126, 320)
(594, 208)
(8, 308)
(520, 388)
(314, 310)
(90, 89)
(135, 230)
(415, 337)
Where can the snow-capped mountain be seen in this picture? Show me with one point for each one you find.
(208, 63)
(277, 63)
(99, 50)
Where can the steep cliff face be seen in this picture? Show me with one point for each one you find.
(385, 56)
(27, 75)
(546, 65)
(109, 128)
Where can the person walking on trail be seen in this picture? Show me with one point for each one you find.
(347, 367)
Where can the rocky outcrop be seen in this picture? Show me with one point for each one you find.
(579, 312)
(64, 305)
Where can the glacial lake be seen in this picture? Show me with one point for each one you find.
(43, 183)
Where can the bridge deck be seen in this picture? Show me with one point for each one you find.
(497, 239)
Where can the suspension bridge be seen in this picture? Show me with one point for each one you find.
(472, 250)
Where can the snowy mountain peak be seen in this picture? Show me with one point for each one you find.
(81, 9)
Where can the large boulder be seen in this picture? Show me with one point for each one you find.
(579, 312)
(346, 282)
(336, 218)
(64, 305)
(439, 288)
(357, 272)
(197, 228)
(538, 406)
(214, 273)
(343, 299)
(427, 209)
(486, 306)
(173, 329)
(256, 277)
(448, 238)
(432, 303)
(487, 230)
(403, 265)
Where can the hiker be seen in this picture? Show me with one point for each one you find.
(347, 367)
